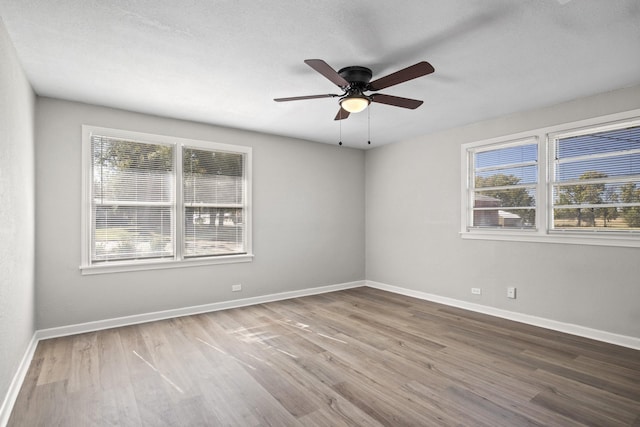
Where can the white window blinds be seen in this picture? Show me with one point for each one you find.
(503, 185)
(214, 200)
(596, 179)
(155, 201)
(133, 200)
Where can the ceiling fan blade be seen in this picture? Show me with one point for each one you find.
(417, 70)
(342, 114)
(396, 101)
(325, 69)
(299, 98)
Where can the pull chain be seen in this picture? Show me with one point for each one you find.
(340, 143)
(369, 125)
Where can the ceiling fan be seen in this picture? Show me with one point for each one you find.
(354, 81)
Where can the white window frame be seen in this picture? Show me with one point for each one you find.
(470, 187)
(544, 204)
(178, 260)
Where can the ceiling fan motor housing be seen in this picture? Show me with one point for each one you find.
(357, 76)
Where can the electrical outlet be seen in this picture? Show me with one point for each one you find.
(476, 291)
(511, 293)
(236, 288)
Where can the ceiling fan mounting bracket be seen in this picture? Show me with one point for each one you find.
(357, 76)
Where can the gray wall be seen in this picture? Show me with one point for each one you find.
(16, 212)
(308, 221)
(413, 224)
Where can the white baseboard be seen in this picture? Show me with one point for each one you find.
(582, 331)
(16, 382)
(187, 311)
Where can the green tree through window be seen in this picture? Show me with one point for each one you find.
(588, 193)
(631, 214)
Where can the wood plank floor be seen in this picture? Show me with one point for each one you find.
(357, 357)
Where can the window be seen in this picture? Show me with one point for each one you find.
(158, 202)
(596, 179)
(132, 201)
(503, 185)
(582, 186)
(213, 193)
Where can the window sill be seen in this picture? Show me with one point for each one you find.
(563, 237)
(120, 267)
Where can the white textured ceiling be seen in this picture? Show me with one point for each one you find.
(222, 62)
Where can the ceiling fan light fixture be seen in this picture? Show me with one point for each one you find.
(354, 104)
